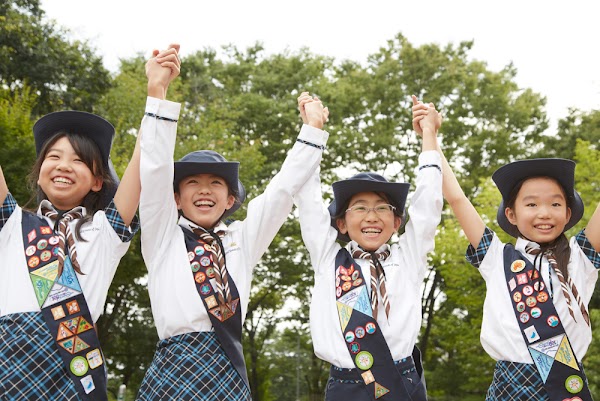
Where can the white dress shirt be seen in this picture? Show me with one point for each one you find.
(405, 268)
(176, 304)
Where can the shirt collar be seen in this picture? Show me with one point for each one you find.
(48, 205)
(191, 226)
(353, 245)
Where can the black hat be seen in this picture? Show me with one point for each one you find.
(562, 170)
(211, 162)
(99, 130)
(366, 182)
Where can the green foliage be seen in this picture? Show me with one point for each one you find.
(578, 125)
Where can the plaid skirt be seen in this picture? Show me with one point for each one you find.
(192, 366)
(30, 366)
(516, 382)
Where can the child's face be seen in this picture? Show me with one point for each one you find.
(540, 211)
(203, 198)
(65, 178)
(371, 229)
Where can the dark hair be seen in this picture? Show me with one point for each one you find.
(230, 192)
(342, 213)
(560, 245)
(90, 154)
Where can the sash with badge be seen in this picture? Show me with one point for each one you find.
(542, 330)
(364, 339)
(226, 320)
(64, 309)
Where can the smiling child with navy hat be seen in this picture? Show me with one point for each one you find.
(200, 268)
(365, 311)
(535, 315)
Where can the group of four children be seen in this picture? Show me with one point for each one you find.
(365, 311)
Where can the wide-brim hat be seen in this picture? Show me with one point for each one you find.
(562, 170)
(96, 128)
(211, 162)
(344, 190)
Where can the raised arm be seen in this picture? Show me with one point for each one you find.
(3, 187)
(160, 70)
(463, 209)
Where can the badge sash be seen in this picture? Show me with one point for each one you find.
(227, 322)
(542, 330)
(64, 309)
(365, 341)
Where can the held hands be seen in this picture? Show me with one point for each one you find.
(161, 69)
(426, 119)
(312, 111)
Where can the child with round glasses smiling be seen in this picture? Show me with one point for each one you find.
(366, 307)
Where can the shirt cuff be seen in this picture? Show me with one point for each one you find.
(313, 135)
(163, 108)
(588, 249)
(476, 256)
(429, 157)
(117, 223)
(7, 209)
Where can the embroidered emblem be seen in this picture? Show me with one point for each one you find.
(94, 358)
(380, 391)
(73, 307)
(68, 344)
(524, 317)
(45, 256)
(354, 347)
(53, 240)
(191, 256)
(71, 325)
(211, 302)
(199, 250)
(33, 261)
(205, 289)
(88, 384)
(522, 278)
(83, 325)
(79, 366)
(30, 250)
(31, 236)
(364, 360)
(346, 278)
(521, 307)
(357, 282)
(342, 271)
(355, 275)
(517, 266)
(200, 277)
(532, 334)
(531, 302)
(64, 332)
(368, 377)
(216, 312)
(527, 290)
(574, 384)
(542, 297)
(80, 345)
(195, 266)
(349, 336)
(370, 328)
(517, 297)
(207, 247)
(205, 261)
(360, 332)
(543, 363)
(346, 286)
(565, 354)
(536, 312)
(41, 287)
(533, 274)
(539, 285)
(338, 291)
(512, 284)
(49, 272)
(45, 230)
(210, 272)
(58, 312)
(42, 244)
(344, 313)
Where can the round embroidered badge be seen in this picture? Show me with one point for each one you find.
(360, 332)
(370, 327)
(517, 266)
(364, 360)
(79, 366)
(574, 384)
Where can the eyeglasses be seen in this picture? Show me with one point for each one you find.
(379, 209)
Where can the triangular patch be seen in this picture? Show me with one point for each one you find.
(69, 344)
(71, 324)
(49, 271)
(216, 312)
(350, 297)
(363, 303)
(543, 363)
(63, 332)
(58, 294)
(344, 313)
(80, 345)
(226, 312)
(233, 305)
(380, 391)
(565, 354)
(41, 287)
(68, 277)
(83, 325)
(548, 347)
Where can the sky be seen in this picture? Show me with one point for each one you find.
(552, 44)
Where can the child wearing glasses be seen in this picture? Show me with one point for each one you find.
(366, 308)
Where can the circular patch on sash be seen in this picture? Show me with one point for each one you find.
(521, 307)
(207, 247)
(517, 266)
(338, 291)
(552, 321)
(370, 328)
(199, 250)
(357, 282)
(53, 240)
(45, 256)
(191, 256)
(42, 244)
(542, 297)
(539, 286)
(364, 360)
(524, 317)
(343, 271)
(355, 348)
(195, 266)
(355, 275)
(527, 290)
(346, 278)
(55, 251)
(574, 384)
(79, 366)
(205, 289)
(346, 286)
(360, 332)
(517, 296)
(210, 272)
(350, 270)
(30, 250)
(205, 261)
(536, 312)
(349, 336)
(531, 302)
(33, 261)
(200, 277)
(337, 281)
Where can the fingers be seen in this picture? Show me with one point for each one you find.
(325, 114)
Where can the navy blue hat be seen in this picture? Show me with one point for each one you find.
(211, 162)
(366, 182)
(96, 128)
(562, 170)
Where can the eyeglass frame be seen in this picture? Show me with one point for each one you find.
(390, 208)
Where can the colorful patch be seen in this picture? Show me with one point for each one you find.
(53, 240)
(527, 290)
(45, 230)
(195, 266)
(512, 284)
(64, 332)
(531, 334)
(533, 274)
(94, 358)
(542, 362)
(45, 256)
(355, 348)
(83, 325)
(41, 287)
(191, 256)
(216, 312)
(210, 272)
(80, 345)
(79, 366)
(68, 344)
(524, 317)
(542, 296)
(73, 307)
(380, 391)
(531, 302)
(517, 266)
(233, 305)
(32, 235)
(30, 250)
(49, 271)
(355, 275)
(344, 313)
(349, 336)
(517, 297)
(552, 320)
(368, 377)
(211, 302)
(205, 289)
(58, 294)
(521, 307)
(346, 286)
(58, 312)
(565, 354)
(207, 247)
(200, 277)
(71, 324)
(536, 312)
(363, 303)
(338, 291)
(42, 244)
(357, 282)
(351, 297)
(199, 250)
(539, 286)
(205, 261)
(88, 384)
(364, 360)
(33, 262)
(360, 332)
(574, 384)
(370, 327)
(522, 278)
(346, 278)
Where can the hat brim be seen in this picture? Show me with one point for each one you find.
(562, 170)
(343, 191)
(95, 127)
(227, 170)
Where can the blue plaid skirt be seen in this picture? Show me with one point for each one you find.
(192, 366)
(30, 366)
(516, 382)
